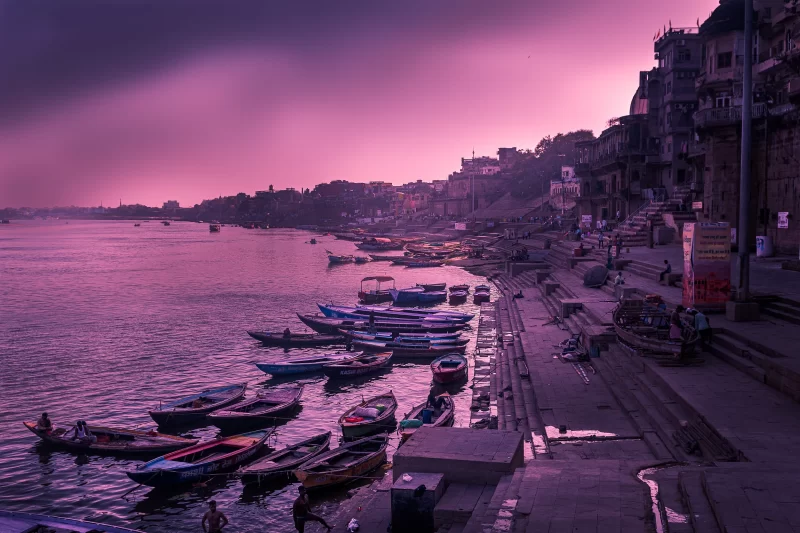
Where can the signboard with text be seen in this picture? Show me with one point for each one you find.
(586, 220)
(462, 226)
(706, 265)
(783, 220)
(697, 206)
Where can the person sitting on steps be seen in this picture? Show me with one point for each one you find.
(667, 270)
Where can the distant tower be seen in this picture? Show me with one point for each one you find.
(120, 202)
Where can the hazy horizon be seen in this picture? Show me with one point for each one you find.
(153, 101)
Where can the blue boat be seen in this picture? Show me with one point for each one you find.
(15, 522)
(432, 297)
(406, 296)
(383, 335)
(304, 365)
(196, 462)
(362, 312)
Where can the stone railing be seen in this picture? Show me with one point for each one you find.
(724, 116)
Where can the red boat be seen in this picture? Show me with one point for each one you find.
(458, 297)
(449, 368)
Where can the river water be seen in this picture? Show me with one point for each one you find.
(101, 320)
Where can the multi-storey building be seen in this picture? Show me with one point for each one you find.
(507, 157)
(716, 150)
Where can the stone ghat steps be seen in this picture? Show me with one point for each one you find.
(698, 507)
(499, 514)
(459, 502)
(782, 309)
(757, 361)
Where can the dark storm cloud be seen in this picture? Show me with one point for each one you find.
(55, 48)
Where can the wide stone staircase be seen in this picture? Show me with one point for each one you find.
(634, 229)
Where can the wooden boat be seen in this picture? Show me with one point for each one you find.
(424, 264)
(304, 365)
(432, 297)
(377, 294)
(480, 296)
(432, 287)
(165, 222)
(214, 228)
(379, 244)
(384, 336)
(362, 312)
(644, 327)
(425, 349)
(295, 340)
(15, 522)
(406, 296)
(196, 462)
(403, 339)
(312, 241)
(281, 463)
(323, 324)
(260, 411)
(449, 368)
(360, 366)
(482, 288)
(195, 407)
(443, 416)
(361, 259)
(464, 288)
(370, 416)
(458, 297)
(136, 225)
(341, 259)
(377, 257)
(114, 440)
(352, 459)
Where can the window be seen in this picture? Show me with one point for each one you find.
(684, 54)
(722, 101)
(669, 87)
(669, 148)
(725, 60)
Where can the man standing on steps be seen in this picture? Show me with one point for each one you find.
(667, 270)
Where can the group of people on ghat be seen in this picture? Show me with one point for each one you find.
(80, 431)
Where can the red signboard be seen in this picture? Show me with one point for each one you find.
(706, 265)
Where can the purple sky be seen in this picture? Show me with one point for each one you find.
(184, 99)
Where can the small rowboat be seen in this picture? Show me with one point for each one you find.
(370, 416)
(360, 366)
(454, 288)
(403, 339)
(353, 459)
(340, 259)
(481, 296)
(260, 411)
(361, 259)
(443, 416)
(195, 407)
(14, 522)
(303, 365)
(482, 288)
(383, 336)
(406, 296)
(408, 349)
(432, 287)
(432, 297)
(402, 313)
(331, 325)
(645, 327)
(458, 297)
(114, 441)
(449, 368)
(196, 462)
(393, 313)
(295, 340)
(281, 464)
(424, 264)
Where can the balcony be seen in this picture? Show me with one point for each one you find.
(719, 76)
(725, 116)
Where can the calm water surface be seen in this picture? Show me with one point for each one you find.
(101, 320)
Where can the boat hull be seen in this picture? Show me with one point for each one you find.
(166, 417)
(14, 522)
(285, 468)
(297, 341)
(383, 423)
(337, 371)
(323, 326)
(196, 472)
(319, 480)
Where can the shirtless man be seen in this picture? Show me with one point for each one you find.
(214, 517)
(44, 424)
(301, 512)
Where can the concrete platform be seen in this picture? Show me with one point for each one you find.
(463, 455)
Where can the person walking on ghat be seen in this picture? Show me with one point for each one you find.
(703, 326)
(216, 519)
(301, 512)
